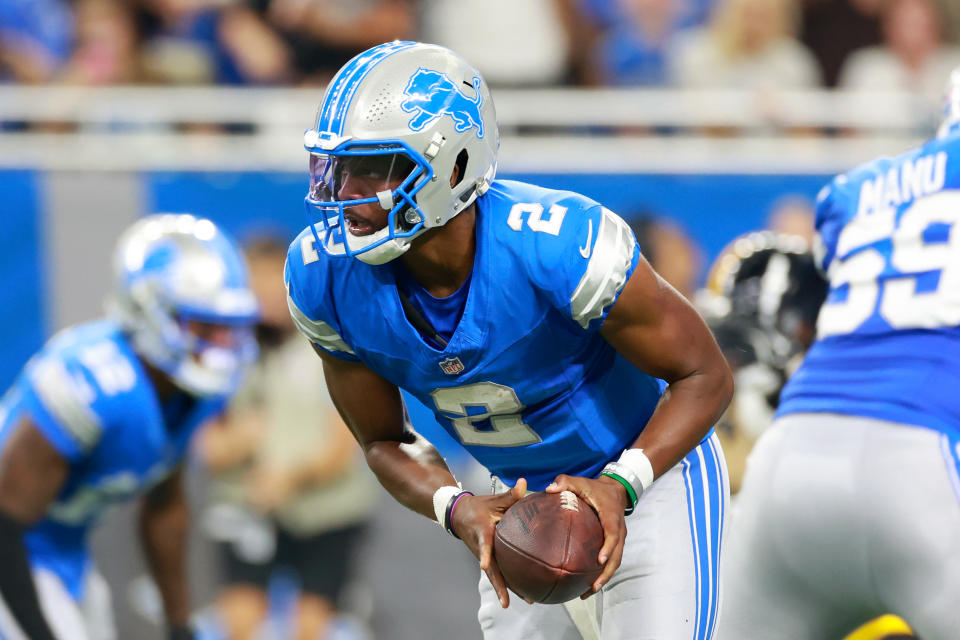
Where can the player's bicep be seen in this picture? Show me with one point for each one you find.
(370, 405)
(657, 329)
(32, 472)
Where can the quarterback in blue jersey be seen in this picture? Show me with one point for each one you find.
(530, 323)
(104, 412)
(851, 502)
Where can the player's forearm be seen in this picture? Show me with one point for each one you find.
(164, 536)
(163, 533)
(686, 412)
(411, 480)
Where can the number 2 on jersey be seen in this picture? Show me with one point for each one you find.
(902, 306)
(494, 402)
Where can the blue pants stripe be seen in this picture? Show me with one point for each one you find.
(703, 477)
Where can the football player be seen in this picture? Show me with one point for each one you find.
(103, 413)
(851, 502)
(530, 323)
(761, 302)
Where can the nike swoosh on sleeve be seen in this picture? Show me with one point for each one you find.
(586, 249)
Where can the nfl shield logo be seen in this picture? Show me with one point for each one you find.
(452, 366)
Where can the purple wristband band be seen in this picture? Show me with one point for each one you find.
(453, 505)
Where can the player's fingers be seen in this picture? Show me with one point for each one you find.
(519, 490)
(499, 585)
(562, 482)
(613, 533)
(485, 552)
(612, 565)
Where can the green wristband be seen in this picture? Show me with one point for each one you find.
(626, 485)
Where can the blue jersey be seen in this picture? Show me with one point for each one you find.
(888, 335)
(89, 395)
(526, 383)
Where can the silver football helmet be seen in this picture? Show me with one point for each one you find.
(174, 269)
(951, 105)
(394, 125)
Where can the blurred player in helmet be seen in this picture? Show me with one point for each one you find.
(761, 301)
(530, 323)
(851, 503)
(103, 414)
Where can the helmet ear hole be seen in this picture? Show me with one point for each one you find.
(461, 166)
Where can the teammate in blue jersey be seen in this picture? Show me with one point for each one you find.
(851, 502)
(103, 414)
(530, 323)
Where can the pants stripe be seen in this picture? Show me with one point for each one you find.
(703, 477)
(951, 456)
(691, 502)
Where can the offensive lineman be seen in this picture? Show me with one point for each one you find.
(851, 503)
(104, 412)
(529, 321)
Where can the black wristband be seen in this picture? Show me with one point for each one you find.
(448, 513)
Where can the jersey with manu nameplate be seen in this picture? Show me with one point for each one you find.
(90, 396)
(527, 384)
(888, 335)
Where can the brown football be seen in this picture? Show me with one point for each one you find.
(547, 546)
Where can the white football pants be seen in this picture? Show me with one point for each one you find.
(91, 619)
(841, 519)
(667, 586)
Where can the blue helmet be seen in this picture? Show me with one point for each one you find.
(403, 116)
(951, 105)
(173, 270)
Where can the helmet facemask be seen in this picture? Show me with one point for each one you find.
(362, 199)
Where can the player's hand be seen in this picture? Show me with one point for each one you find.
(609, 500)
(475, 520)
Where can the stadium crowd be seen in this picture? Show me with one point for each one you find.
(909, 44)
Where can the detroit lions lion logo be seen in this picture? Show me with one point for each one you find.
(433, 94)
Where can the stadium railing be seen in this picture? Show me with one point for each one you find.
(576, 130)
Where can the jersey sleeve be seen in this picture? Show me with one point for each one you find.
(74, 399)
(584, 267)
(309, 299)
(829, 223)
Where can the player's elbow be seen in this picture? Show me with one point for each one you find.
(724, 386)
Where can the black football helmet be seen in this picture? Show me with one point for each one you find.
(762, 298)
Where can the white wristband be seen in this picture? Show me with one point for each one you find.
(638, 462)
(441, 498)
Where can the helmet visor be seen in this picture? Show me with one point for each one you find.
(358, 178)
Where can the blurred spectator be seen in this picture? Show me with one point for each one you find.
(511, 43)
(633, 49)
(107, 47)
(204, 41)
(35, 38)
(325, 34)
(950, 9)
(749, 44)
(288, 482)
(793, 215)
(671, 251)
(833, 29)
(913, 57)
